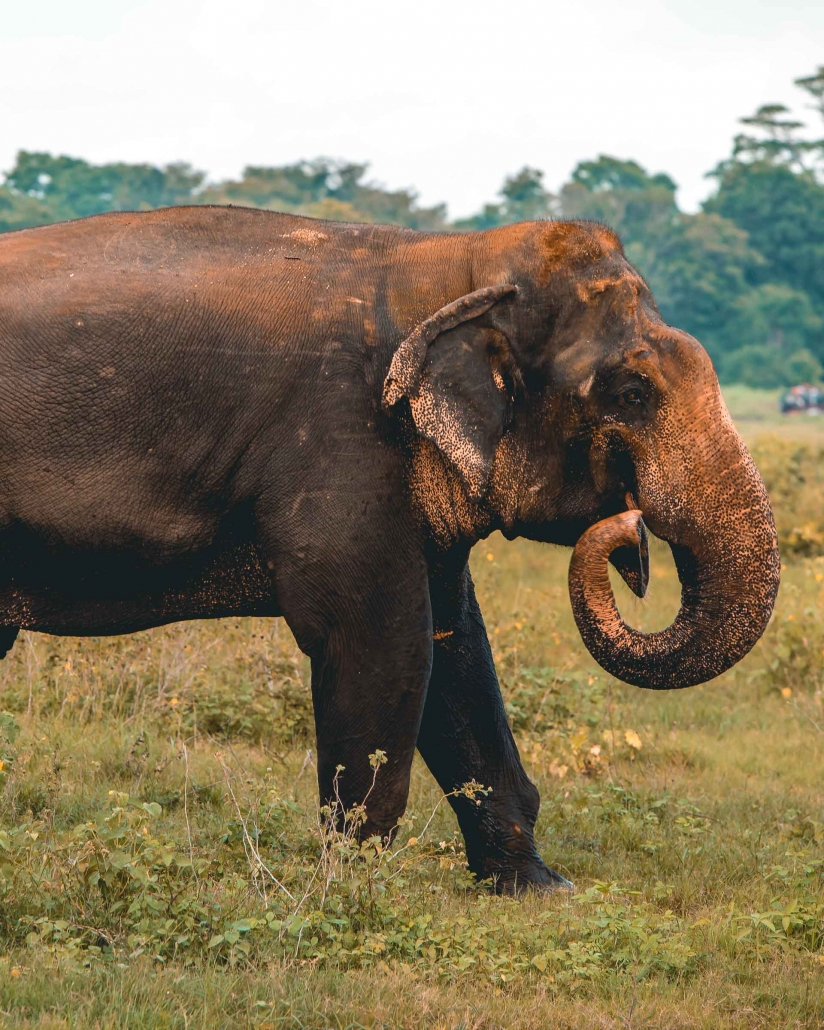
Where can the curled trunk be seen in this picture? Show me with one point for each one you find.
(729, 571)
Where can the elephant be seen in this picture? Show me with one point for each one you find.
(211, 411)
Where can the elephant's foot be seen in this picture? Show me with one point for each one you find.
(500, 843)
(520, 875)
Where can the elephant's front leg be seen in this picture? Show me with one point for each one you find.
(368, 686)
(367, 627)
(465, 736)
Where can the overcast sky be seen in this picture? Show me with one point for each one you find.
(441, 95)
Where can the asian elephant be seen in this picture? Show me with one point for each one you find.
(208, 411)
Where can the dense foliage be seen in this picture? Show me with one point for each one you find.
(745, 274)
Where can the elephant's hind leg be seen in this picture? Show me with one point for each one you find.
(8, 635)
(465, 736)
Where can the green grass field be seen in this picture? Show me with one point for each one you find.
(163, 864)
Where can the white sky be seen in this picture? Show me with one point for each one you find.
(447, 96)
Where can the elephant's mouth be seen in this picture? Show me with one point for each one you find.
(632, 559)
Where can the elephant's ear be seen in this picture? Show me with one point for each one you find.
(457, 377)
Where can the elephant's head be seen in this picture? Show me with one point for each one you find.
(563, 405)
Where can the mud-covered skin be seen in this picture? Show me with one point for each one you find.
(211, 411)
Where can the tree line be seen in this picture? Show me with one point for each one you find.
(745, 274)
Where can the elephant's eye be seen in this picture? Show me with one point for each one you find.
(630, 398)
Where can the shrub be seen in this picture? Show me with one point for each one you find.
(793, 473)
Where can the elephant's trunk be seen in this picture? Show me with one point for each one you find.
(728, 564)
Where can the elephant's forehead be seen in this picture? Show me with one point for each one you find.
(623, 288)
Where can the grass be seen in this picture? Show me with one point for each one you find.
(163, 863)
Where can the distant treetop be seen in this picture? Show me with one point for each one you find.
(610, 173)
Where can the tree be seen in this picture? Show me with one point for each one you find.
(524, 199)
(324, 188)
(779, 141)
(698, 270)
(608, 174)
(765, 367)
(623, 195)
(20, 211)
(43, 188)
(813, 85)
(69, 187)
(770, 188)
(782, 211)
(777, 316)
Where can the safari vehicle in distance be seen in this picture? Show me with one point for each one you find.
(802, 399)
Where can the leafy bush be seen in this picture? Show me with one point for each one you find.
(793, 473)
(109, 885)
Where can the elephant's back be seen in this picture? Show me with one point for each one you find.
(179, 236)
(230, 271)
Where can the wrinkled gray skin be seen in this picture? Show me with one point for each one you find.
(209, 412)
